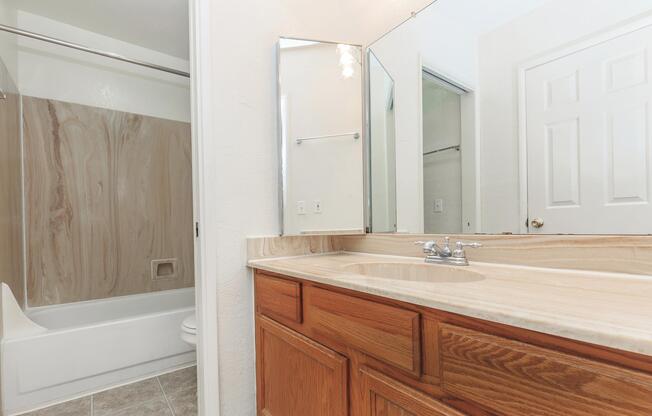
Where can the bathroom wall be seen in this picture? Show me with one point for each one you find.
(107, 192)
(11, 244)
(11, 215)
(500, 53)
(237, 153)
(97, 81)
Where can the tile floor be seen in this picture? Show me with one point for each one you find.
(172, 394)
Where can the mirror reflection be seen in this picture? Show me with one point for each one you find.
(321, 129)
(515, 116)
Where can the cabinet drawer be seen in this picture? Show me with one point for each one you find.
(384, 332)
(519, 379)
(278, 298)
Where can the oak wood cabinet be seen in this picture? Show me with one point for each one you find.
(324, 350)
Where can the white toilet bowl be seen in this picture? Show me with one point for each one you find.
(189, 330)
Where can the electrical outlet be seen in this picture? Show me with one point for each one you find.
(438, 206)
(317, 206)
(301, 207)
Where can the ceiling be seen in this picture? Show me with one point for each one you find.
(161, 25)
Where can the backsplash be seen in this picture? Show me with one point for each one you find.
(623, 254)
(262, 247)
(107, 192)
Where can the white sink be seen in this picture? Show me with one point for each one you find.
(415, 272)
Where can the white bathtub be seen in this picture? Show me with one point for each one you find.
(65, 351)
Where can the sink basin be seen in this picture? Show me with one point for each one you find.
(415, 272)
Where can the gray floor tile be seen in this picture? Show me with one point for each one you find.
(156, 407)
(144, 398)
(79, 407)
(179, 380)
(111, 401)
(184, 402)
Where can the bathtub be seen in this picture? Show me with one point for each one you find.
(54, 353)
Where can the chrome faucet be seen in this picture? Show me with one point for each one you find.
(444, 255)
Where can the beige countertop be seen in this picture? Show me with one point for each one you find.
(608, 309)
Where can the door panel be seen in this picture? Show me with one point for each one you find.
(297, 376)
(589, 142)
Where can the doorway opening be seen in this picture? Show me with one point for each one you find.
(443, 130)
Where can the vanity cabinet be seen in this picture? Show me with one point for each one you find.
(323, 350)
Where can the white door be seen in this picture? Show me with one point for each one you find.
(588, 139)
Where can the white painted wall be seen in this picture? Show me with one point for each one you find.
(237, 154)
(500, 53)
(320, 101)
(160, 25)
(50, 71)
(8, 54)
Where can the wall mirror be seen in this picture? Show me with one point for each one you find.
(321, 133)
(513, 116)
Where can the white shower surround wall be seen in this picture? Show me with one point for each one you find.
(55, 353)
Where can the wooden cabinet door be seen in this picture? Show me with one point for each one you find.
(297, 376)
(384, 396)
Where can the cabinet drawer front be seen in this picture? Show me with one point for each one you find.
(519, 379)
(278, 298)
(387, 333)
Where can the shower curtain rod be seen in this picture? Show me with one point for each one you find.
(83, 48)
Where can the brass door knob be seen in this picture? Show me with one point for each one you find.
(537, 222)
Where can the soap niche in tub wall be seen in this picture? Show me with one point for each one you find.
(164, 269)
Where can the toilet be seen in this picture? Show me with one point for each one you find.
(189, 330)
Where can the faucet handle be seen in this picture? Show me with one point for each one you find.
(460, 245)
(459, 248)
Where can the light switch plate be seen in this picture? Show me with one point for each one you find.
(301, 207)
(317, 206)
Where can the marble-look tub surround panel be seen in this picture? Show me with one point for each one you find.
(621, 254)
(11, 207)
(107, 192)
